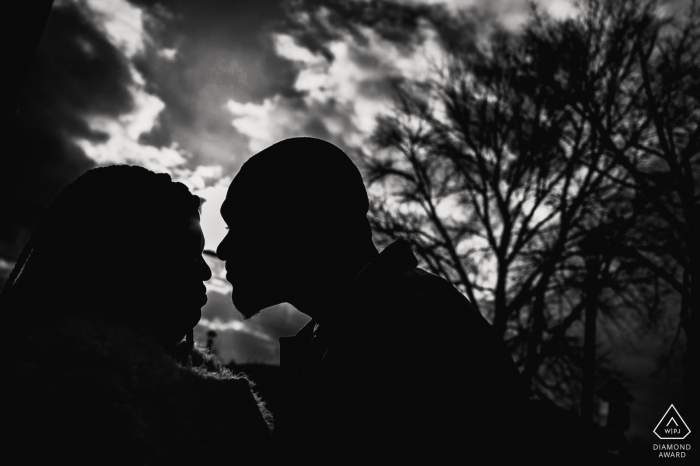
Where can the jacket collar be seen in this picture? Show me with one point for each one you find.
(313, 339)
(372, 278)
(394, 258)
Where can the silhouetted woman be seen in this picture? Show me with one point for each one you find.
(95, 369)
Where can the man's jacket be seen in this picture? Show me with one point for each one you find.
(405, 372)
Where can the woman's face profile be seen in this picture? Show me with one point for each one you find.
(131, 258)
(170, 289)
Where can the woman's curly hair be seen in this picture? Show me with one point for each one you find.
(104, 212)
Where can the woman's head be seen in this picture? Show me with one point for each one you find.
(120, 243)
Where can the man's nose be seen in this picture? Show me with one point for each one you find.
(221, 250)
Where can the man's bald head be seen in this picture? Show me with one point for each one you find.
(297, 216)
(299, 180)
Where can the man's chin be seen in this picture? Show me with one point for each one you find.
(248, 309)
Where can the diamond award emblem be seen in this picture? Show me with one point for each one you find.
(671, 426)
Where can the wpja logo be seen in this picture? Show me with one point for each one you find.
(672, 427)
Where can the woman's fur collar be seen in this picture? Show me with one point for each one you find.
(92, 389)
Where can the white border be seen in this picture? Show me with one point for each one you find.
(679, 417)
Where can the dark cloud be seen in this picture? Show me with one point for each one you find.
(315, 23)
(76, 73)
(394, 21)
(223, 52)
(350, 55)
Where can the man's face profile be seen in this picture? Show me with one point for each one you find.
(252, 262)
(282, 209)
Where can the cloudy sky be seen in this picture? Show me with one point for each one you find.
(194, 88)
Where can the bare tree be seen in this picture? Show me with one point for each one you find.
(549, 174)
(516, 173)
(633, 75)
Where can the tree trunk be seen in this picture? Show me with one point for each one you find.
(589, 344)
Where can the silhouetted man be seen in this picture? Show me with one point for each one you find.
(396, 366)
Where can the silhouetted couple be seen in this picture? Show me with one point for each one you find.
(395, 367)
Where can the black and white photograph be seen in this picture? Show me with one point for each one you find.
(350, 232)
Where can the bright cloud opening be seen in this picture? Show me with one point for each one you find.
(343, 95)
(122, 24)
